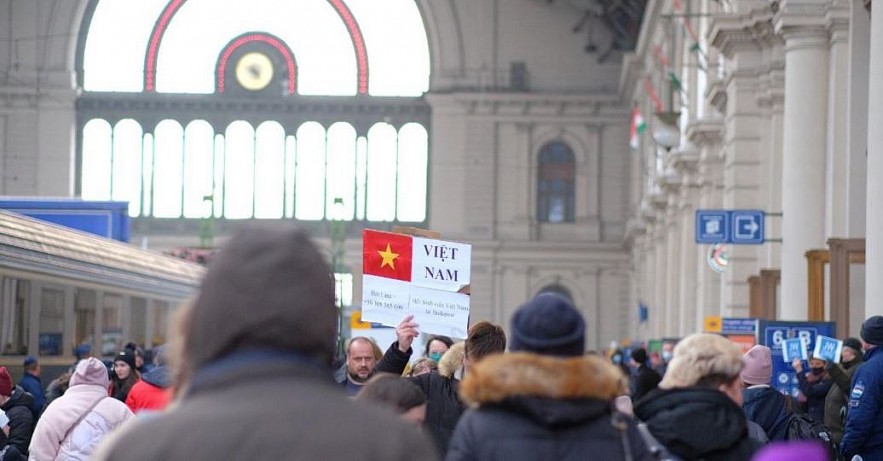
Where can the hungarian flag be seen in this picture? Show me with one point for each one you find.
(387, 255)
(638, 127)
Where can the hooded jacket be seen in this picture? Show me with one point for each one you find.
(835, 401)
(863, 430)
(697, 423)
(768, 408)
(529, 406)
(21, 420)
(87, 386)
(151, 392)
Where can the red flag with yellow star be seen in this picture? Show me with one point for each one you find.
(386, 255)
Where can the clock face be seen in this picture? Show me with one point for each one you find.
(254, 71)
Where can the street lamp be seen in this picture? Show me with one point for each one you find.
(338, 246)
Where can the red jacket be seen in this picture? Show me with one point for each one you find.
(146, 396)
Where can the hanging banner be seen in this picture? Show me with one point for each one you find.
(404, 275)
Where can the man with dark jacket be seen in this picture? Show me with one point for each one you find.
(443, 405)
(697, 411)
(30, 382)
(546, 400)
(257, 344)
(647, 378)
(863, 431)
(838, 395)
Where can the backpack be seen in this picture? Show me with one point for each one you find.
(802, 427)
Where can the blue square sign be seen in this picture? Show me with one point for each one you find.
(747, 226)
(712, 226)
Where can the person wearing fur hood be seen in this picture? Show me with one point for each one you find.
(74, 423)
(546, 399)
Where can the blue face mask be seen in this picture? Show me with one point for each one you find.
(617, 359)
(435, 356)
(666, 356)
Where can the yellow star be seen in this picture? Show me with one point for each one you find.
(388, 258)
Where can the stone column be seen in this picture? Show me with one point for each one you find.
(874, 242)
(837, 196)
(804, 141)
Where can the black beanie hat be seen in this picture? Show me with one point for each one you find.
(639, 355)
(853, 343)
(550, 325)
(872, 330)
(126, 356)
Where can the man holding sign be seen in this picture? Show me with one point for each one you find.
(863, 434)
(838, 396)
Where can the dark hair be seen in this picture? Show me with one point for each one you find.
(483, 339)
(448, 342)
(392, 391)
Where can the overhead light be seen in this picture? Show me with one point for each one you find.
(666, 131)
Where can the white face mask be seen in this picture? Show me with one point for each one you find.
(666, 356)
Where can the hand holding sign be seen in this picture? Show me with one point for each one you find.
(828, 349)
(406, 332)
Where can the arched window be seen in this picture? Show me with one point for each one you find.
(255, 109)
(555, 183)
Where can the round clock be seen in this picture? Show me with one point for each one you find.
(254, 71)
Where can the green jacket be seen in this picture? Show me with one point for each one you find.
(838, 396)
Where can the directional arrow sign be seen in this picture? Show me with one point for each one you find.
(747, 226)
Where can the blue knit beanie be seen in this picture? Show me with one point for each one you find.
(872, 330)
(548, 324)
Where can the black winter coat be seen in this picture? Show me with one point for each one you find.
(443, 405)
(21, 420)
(647, 380)
(768, 408)
(533, 407)
(697, 423)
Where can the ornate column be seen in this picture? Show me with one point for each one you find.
(837, 174)
(803, 163)
(874, 243)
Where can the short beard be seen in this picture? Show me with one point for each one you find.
(356, 379)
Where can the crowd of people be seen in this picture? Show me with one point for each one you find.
(250, 374)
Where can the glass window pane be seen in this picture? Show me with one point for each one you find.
(14, 315)
(311, 28)
(290, 155)
(112, 325)
(361, 176)
(310, 172)
(138, 320)
(127, 149)
(198, 169)
(413, 158)
(96, 160)
(341, 170)
(555, 183)
(51, 321)
(239, 171)
(381, 172)
(343, 289)
(84, 317)
(392, 32)
(160, 319)
(270, 169)
(168, 167)
(147, 172)
(220, 166)
(116, 43)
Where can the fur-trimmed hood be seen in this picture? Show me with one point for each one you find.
(503, 376)
(452, 360)
(554, 392)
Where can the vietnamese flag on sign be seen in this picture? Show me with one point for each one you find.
(386, 255)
